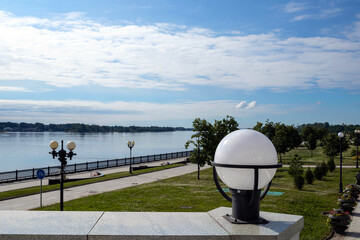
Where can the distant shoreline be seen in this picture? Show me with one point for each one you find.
(82, 128)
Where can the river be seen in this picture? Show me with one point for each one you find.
(23, 150)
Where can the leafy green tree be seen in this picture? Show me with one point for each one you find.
(282, 136)
(331, 145)
(207, 137)
(306, 131)
(311, 142)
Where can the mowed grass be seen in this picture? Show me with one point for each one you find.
(188, 194)
(318, 156)
(48, 188)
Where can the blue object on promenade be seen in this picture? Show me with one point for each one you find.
(40, 174)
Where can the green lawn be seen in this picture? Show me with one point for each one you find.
(318, 156)
(186, 193)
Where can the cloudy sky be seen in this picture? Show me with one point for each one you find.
(158, 62)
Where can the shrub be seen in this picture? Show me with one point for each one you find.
(331, 164)
(324, 168)
(353, 152)
(318, 172)
(295, 168)
(309, 176)
(299, 181)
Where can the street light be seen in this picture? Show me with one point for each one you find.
(62, 154)
(246, 161)
(341, 136)
(130, 144)
(357, 133)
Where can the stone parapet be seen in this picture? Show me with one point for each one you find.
(24, 225)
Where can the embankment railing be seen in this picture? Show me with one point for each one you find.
(18, 175)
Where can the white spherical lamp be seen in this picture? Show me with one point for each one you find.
(245, 147)
(246, 161)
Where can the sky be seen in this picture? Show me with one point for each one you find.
(165, 63)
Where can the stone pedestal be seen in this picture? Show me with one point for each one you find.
(144, 225)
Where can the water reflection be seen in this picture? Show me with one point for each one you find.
(21, 150)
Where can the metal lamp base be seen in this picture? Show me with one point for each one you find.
(233, 220)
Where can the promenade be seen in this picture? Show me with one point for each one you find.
(33, 201)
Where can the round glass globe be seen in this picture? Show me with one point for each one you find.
(54, 145)
(245, 147)
(71, 145)
(340, 134)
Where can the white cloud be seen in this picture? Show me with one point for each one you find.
(14, 89)
(293, 6)
(74, 51)
(119, 112)
(245, 105)
(302, 17)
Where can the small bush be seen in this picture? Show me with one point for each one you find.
(353, 152)
(318, 172)
(331, 165)
(309, 176)
(324, 168)
(299, 181)
(295, 168)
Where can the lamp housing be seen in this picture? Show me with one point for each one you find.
(341, 134)
(246, 161)
(245, 147)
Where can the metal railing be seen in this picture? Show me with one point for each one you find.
(18, 175)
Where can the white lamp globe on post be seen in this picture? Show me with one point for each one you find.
(341, 136)
(246, 161)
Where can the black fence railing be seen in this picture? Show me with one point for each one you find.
(18, 175)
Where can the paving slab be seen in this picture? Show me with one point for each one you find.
(27, 225)
(280, 226)
(157, 225)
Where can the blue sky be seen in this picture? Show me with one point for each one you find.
(168, 62)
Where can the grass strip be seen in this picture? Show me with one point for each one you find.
(187, 194)
(47, 188)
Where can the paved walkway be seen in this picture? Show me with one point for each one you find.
(36, 182)
(353, 232)
(33, 201)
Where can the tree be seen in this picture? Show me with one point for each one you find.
(311, 142)
(282, 136)
(207, 137)
(331, 145)
(306, 131)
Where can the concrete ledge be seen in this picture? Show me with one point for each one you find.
(21, 225)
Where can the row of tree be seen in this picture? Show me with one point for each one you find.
(81, 128)
(207, 136)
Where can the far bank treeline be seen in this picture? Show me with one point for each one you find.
(80, 128)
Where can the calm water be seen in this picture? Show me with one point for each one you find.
(22, 150)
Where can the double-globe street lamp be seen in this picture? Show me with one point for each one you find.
(341, 136)
(63, 155)
(357, 134)
(130, 144)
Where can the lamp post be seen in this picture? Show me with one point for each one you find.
(341, 136)
(63, 155)
(357, 133)
(246, 161)
(130, 144)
